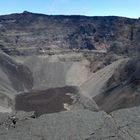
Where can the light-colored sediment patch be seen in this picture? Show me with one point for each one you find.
(5, 110)
(72, 96)
(94, 85)
(66, 106)
(78, 73)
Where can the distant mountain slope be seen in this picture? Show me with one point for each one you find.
(19, 32)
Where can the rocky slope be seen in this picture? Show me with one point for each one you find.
(37, 32)
(69, 77)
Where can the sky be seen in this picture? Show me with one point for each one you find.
(125, 8)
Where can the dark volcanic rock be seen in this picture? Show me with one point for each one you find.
(47, 101)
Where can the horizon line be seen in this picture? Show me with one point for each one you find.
(25, 11)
